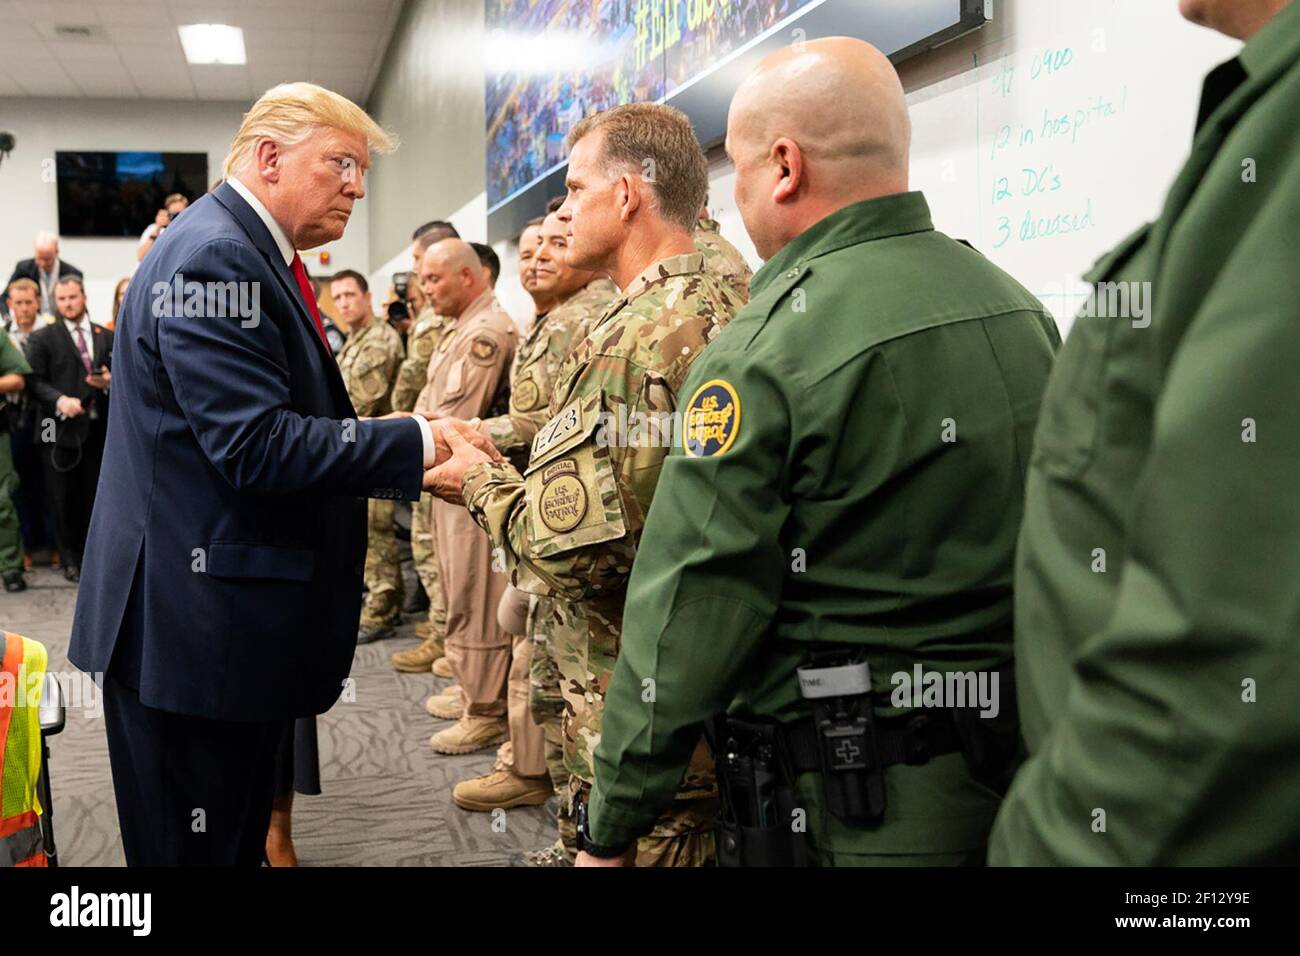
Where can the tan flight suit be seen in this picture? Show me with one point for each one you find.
(468, 378)
(525, 751)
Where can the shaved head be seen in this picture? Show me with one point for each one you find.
(451, 276)
(816, 127)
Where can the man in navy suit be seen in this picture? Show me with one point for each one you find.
(221, 585)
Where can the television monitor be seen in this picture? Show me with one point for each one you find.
(551, 62)
(115, 195)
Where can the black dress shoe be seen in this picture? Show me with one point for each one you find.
(71, 573)
(14, 582)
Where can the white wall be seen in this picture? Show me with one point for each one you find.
(28, 198)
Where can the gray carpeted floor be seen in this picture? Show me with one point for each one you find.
(386, 796)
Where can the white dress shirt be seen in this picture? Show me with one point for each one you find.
(285, 246)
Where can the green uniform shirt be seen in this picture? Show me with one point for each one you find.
(1158, 576)
(11, 357)
(855, 446)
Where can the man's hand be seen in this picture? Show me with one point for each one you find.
(627, 859)
(69, 407)
(464, 445)
(467, 429)
(100, 380)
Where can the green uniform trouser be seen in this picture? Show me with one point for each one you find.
(11, 551)
(426, 564)
(383, 572)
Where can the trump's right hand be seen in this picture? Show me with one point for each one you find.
(69, 407)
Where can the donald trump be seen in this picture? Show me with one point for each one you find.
(221, 586)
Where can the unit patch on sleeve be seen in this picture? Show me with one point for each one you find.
(712, 420)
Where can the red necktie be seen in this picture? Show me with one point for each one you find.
(304, 286)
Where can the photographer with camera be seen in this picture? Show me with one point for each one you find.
(173, 206)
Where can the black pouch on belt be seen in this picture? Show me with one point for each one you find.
(757, 823)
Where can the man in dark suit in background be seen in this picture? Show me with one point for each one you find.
(70, 379)
(221, 590)
(45, 268)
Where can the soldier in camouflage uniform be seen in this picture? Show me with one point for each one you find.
(721, 258)
(421, 342)
(369, 361)
(577, 298)
(570, 525)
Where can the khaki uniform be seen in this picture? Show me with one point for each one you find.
(369, 362)
(722, 259)
(411, 378)
(468, 378)
(569, 527)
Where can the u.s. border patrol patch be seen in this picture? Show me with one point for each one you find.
(563, 502)
(712, 419)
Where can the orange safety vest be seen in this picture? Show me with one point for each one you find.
(22, 674)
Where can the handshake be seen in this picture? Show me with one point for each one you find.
(458, 447)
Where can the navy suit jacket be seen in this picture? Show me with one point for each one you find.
(223, 570)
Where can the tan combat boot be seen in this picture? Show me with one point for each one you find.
(442, 668)
(470, 734)
(502, 788)
(418, 660)
(448, 704)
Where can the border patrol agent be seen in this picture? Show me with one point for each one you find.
(14, 367)
(839, 513)
(1158, 576)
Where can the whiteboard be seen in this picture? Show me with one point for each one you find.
(1062, 134)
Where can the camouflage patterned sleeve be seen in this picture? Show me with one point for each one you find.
(568, 527)
(371, 374)
(413, 371)
(535, 377)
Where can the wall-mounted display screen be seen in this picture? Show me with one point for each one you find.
(551, 62)
(113, 195)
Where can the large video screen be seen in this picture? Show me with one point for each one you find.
(118, 194)
(552, 62)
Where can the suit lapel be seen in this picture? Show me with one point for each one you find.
(265, 244)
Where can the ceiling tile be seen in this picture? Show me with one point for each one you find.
(51, 81)
(117, 15)
(71, 51)
(53, 11)
(323, 39)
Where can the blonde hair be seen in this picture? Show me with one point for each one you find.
(289, 113)
(659, 142)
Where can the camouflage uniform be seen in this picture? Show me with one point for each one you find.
(721, 258)
(369, 362)
(536, 368)
(421, 341)
(569, 527)
(537, 364)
